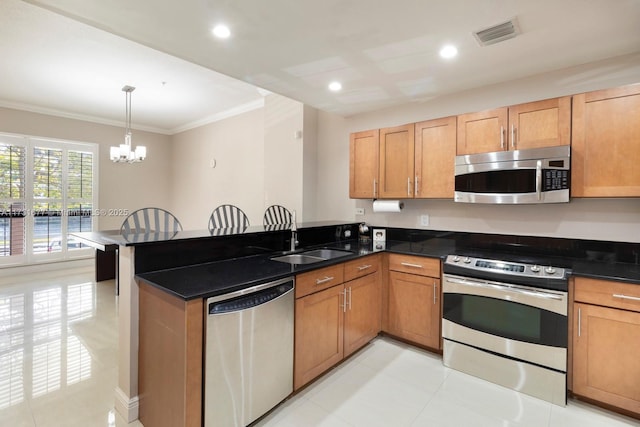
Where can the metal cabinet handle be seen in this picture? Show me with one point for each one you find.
(539, 179)
(417, 189)
(621, 296)
(325, 280)
(350, 296)
(343, 293)
(579, 321)
(513, 136)
(435, 291)
(508, 288)
(409, 186)
(375, 188)
(502, 137)
(408, 264)
(364, 267)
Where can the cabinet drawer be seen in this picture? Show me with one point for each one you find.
(606, 293)
(361, 267)
(317, 280)
(415, 265)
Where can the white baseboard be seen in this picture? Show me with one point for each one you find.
(126, 406)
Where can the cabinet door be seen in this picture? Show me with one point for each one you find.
(482, 132)
(540, 124)
(318, 334)
(605, 143)
(396, 162)
(363, 315)
(435, 155)
(414, 308)
(364, 150)
(606, 344)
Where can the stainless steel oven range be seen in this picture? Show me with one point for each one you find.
(506, 322)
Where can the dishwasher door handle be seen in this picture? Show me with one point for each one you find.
(262, 294)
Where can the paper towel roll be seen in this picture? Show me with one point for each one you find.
(387, 205)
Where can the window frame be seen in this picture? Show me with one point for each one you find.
(31, 143)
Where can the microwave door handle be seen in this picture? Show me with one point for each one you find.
(539, 179)
(511, 288)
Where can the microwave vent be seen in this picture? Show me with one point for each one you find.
(497, 33)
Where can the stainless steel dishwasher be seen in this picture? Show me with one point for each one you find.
(248, 353)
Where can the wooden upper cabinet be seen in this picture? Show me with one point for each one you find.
(540, 124)
(537, 124)
(364, 150)
(396, 162)
(605, 149)
(435, 152)
(482, 132)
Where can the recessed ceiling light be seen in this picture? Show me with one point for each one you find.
(448, 51)
(221, 31)
(335, 86)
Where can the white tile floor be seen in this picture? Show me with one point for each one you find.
(58, 367)
(58, 351)
(389, 383)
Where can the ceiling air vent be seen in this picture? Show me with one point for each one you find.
(497, 33)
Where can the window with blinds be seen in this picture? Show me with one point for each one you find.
(47, 191)
(12, 197)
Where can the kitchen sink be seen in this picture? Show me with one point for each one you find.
(312, 256)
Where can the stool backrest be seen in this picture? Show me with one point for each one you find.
(228, 216)
(276, 214)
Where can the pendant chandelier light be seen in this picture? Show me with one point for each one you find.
(124, 153)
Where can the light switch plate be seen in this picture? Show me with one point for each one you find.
(359, 211)
(424, 220)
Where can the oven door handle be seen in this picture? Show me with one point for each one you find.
(509, 288)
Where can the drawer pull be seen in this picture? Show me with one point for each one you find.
(408, 264)
(435, 293)
(364, 267)
(325, 280)
(621, 296)
(579, 323)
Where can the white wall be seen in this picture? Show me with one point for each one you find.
(310, 164)
(283, 154)
(196, 188)
(600, 219)
(121, 186)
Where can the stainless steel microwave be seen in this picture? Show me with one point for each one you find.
(537, 175)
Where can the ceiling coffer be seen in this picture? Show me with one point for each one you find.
(497, 33)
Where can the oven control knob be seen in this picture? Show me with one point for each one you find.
(550, 270)
(535, 268)
(456, 258)
(467, 260)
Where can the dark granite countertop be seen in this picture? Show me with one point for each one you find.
(219, 277)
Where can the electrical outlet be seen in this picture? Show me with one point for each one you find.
(424, 220)
(359, 211)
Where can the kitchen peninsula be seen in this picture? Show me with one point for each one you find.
(189, 266)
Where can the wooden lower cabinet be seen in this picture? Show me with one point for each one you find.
(414, 308)
(319, 332)
(331, 324)
(363, 313)
(606, 345)
(170, 359)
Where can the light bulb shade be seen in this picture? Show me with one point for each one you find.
(125, 150)
(114, 153)
(141, 152)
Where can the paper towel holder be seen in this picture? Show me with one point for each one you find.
(387, 206)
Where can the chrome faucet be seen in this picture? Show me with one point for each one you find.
(294, 232)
